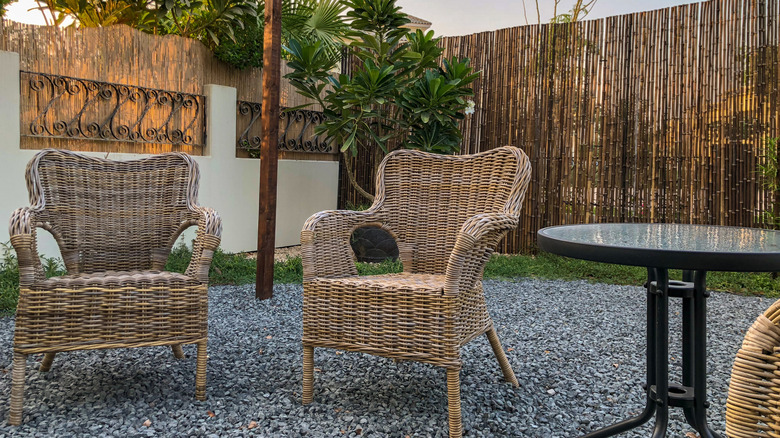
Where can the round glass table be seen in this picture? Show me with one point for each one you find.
(695, 249)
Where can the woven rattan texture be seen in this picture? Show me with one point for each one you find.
(115, 223)
(753, 405)
(447, 214)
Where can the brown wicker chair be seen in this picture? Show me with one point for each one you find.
(115, 223)
(447, 214)
(753, 405)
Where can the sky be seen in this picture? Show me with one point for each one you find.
(456, 17)
(463, 17)
(19, 12)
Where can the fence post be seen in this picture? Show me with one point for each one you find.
(10, 91)
(220, 121)
(230, 184)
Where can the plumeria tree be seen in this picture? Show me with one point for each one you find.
(397, 96)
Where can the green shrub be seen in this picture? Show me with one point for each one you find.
(246, 50)
(9, 276)
(9, 279)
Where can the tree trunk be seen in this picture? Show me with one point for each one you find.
(353, 180)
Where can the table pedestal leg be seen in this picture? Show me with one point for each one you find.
(661, 388)
(650, 404)
(697, 361)
(692, 394)
(688, 345)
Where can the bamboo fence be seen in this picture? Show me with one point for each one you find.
(658, 116)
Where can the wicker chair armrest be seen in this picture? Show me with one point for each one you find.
(21, 228)
(474, 245)
(207, 240)
(325, 247)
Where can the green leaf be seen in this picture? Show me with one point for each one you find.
(350, 142)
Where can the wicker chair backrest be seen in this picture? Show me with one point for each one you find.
(426, 198)
(113, 215)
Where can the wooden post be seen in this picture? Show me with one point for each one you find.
(266, 225)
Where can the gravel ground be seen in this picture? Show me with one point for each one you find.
(577, 349)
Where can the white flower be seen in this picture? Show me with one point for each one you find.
(469, 107)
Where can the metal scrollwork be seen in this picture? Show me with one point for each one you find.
(296, 129)
(69, 107)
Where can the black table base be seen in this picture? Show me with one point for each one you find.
(691, 396)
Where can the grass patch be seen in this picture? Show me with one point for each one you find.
(386, 267)
(225, 268)
(239, 269)
(548, 266)
(234, 269)
(288, 271)
(552, 267)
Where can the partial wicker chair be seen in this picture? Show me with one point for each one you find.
(115, 223)
(447, 214)
(753, 405)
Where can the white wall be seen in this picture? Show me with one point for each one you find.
(228, 184)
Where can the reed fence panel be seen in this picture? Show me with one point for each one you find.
(658, 116)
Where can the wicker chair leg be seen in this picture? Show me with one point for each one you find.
(308, 374)
(17, 389)
(178, 353)
(200, 372)
(453, 400)
(48, 358)
(509, 375)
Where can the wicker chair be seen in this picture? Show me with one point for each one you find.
(447, 214)
(115, 224)
(753, 405)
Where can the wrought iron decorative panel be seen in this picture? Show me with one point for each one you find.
(296, 130)
(57, 106)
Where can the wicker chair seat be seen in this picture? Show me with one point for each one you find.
(116, 279)
(110, 310)
(408, 282)
(356, 310)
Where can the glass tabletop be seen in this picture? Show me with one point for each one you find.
(705, 247)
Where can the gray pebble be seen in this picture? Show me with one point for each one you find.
(578, 350)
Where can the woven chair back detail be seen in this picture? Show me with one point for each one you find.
(113, 215)
(427, 197)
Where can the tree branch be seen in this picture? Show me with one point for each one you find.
(353, 180)
(538, 14)
(525, 13)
